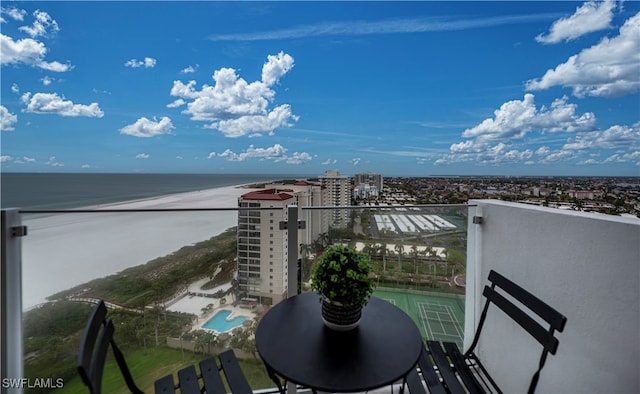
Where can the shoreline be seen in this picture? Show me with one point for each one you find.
(67, 249)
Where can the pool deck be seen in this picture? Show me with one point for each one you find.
(195, 304)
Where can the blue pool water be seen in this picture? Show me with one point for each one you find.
(220, 323)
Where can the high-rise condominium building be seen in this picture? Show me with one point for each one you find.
(369, 178)
(338, 194)
(263, 247)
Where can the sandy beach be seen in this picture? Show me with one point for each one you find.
(64, 250)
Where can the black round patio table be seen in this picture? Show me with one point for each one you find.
(295, 344)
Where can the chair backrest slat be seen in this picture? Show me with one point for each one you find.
(429, 374)
(522, 316)
(236, 379)
(544, 337)
(448, 375)
(165, 385)
(211, 376)
(94, 346)
(555, 319)
(188, 380)
(88, 342)
(100, 357)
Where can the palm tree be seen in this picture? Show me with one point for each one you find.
(305, 251)
(324, 239)
(368, 250)
(399, 250)
(414, 254)
(423, 254)
(201, 341)
(320, 242)
(383, 252)
(433, 254)
(212, 340)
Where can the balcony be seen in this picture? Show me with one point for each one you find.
(585, 265)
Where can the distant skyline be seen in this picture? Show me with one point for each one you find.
(398, 88)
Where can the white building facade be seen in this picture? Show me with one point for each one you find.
(371, 179)
(263, 246)
(338, 195)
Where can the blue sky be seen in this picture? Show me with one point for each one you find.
(400, 88)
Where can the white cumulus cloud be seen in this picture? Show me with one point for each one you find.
(144, 127)
(255, 124)
(28, 51)
(615, 137)
(276, 67)
(298, 158)
(591, 16)
(52, 103)
(13, 12)
(7, 119)
(176, 103)
(53, 162)
(633, 157)
(142, 156)
(516, 118)
(189, 69)
(236, 107)
(43, 25)
(501, 139)
(148, 62)
(276, 153)
(607, 69)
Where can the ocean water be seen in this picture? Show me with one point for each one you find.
(65, 191)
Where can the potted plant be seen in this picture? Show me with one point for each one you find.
(342, 277)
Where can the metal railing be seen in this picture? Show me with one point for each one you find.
(417, 269)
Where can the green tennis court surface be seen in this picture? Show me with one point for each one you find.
(439, 318)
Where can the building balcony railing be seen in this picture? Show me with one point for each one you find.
(164, 271)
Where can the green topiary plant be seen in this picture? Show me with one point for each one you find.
(342, 274)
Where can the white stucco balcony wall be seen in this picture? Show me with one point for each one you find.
(585, 265)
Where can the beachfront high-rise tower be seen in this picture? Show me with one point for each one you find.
(339, 194)
(262, 245)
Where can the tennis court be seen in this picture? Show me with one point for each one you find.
(439, 318)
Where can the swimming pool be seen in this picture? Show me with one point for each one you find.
(220, 322)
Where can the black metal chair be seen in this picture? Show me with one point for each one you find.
(188, 378)
(98, 336)
(447, 370)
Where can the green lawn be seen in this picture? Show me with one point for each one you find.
(149, 365)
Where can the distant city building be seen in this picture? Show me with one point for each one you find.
(585, 194)
(369, 178)
(308, 194)
(539, 191)
(339, 194)
(365, 191)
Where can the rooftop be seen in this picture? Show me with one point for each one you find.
(268, 194)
